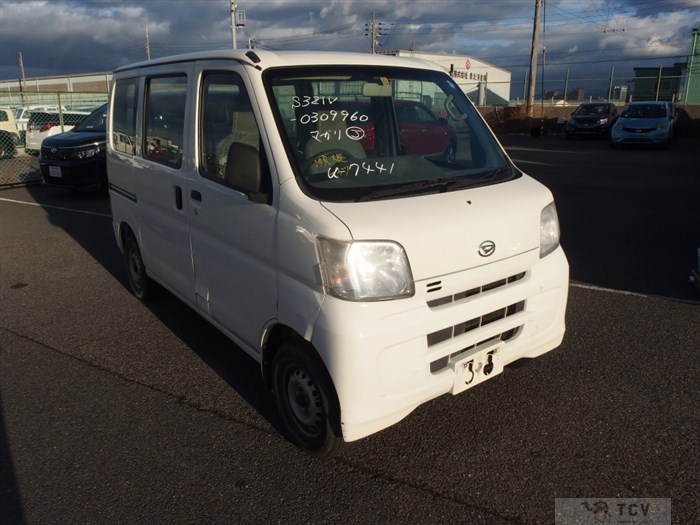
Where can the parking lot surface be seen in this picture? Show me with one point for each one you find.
(115, 411)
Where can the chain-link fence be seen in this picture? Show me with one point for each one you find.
(27, 118)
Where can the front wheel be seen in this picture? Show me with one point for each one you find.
(141, 284)
(307, 401)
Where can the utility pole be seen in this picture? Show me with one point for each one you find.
(373, 30)
(533, 59)
(237, 20)
(21, 79)
(233, 23)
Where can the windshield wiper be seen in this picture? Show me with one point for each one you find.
(432, 186)
(416, 187)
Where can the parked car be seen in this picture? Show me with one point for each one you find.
(420, 131)
(43, 124)
(76, 159)
(645, 123)
(9, 134)
(592, 119)
(22, 117)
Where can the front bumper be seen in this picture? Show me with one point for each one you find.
(90, 174)
(639, 136)
(387, 358)
(597, 130)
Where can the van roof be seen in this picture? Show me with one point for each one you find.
(267, 59)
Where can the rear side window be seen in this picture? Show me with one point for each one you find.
(124, 116)
(3, 116)
(164, 119)
(43, 121)
(38, 119)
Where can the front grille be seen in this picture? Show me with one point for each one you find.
(638, 130)
(59, 154)
(443, 362)
(440, 301)
(451, 332)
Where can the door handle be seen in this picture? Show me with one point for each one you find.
(178, 197)
(196, 195)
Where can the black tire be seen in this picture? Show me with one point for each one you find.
(307, 401)
(142, 286)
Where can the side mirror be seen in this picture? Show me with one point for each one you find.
(243, 171)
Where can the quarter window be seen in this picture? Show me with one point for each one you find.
(124, 120)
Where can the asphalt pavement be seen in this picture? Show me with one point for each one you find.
(115, 411)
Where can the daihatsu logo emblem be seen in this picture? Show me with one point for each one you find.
(487, 248)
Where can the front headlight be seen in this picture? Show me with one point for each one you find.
(549, 230)
(86, 152)
(603, 121)
(364, 270)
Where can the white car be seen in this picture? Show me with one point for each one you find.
(644, 123)
(44, 124)
(22, 115)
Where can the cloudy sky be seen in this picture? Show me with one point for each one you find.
(584, 37)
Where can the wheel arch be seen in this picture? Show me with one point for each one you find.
(273, 338)
(123, 231)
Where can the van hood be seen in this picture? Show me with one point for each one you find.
(442, 233)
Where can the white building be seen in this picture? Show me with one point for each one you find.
(484, 83)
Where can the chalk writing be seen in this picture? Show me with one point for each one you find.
(354, 169)
(332, 116)
(328, 160)
(353, 133)
(306, 101)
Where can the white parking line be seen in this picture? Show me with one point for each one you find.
(584, 286)
(56, 207)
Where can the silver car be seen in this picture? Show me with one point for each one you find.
(645, 123)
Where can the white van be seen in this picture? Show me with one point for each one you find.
(368, 263)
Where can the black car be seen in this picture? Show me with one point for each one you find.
(76, 159)
(593, 119)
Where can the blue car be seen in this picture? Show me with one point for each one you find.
(644, 123)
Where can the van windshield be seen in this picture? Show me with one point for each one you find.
(363, 133)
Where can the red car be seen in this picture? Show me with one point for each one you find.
(420, 131)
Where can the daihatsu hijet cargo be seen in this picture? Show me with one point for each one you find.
(282, 198)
